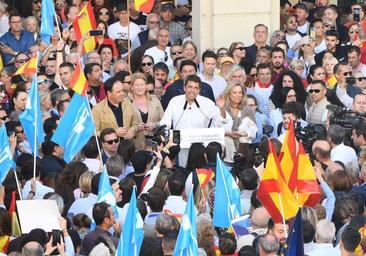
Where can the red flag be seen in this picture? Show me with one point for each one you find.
(204, 176)
(307, 187)
(78, 83)
(273, 191)
(145, 6)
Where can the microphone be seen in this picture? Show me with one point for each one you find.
(199, 108)
(184, 109)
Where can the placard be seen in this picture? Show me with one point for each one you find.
(41, 214)
(201, 135)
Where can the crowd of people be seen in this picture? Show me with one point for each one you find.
(147, 77)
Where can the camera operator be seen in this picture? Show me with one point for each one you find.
(344, 91)
(340, 152)
(359, 103)
(359, 136)
(317, 112)
(321, 152)
(290, 111)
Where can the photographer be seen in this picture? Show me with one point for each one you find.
(340, 152)
(343, 92)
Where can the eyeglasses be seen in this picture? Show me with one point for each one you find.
(222, 54)
(347, 73)
(175, 53)
(103, 13)
(146, 64)
(17, 132)
(22, 60)
(126, 82)
(292, 21)
(45, 81)
(314, 91)
(3, 118)
(110, 142)
(360, 78)
(151, 91)
(353, 31)
(240, 48)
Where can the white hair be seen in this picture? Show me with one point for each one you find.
(325, 231)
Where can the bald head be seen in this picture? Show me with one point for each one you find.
(32, 249)
(260, 218)
(321, 150)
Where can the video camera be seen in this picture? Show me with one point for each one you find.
(309, 134)
(159, 133)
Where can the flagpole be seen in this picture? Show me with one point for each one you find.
(282, 213)
(95, 130)
(58, 27)
(35, 133)
(226, 190)
(17, 181)
(128, 37)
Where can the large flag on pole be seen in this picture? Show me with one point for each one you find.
(145, 6)
(75, 127)
(31, 118)
(307, 188)
(288, 157)
(29, 68)
(187, 238)
(83, 23)
(78, 83)
(47, 15)
(6, 159)
(105, 192)
(227, 197)
(273, 191)
(133, 232)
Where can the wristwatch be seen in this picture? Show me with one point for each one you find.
(32, 193)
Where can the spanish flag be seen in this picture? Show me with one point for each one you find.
(288, 157)
(15, 227)
(29, 68)
(1, 64)
(307, 189)
(78, 83)
(83, 23)
(273, 191)
(204, 176)
(145, 6)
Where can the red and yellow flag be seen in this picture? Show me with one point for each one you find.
(288, 157)
(204, 176)
(145, 6)
(15, 227)
(273, 191)
(307, 189)
(29, 68)
(78, 83)
(83, 23)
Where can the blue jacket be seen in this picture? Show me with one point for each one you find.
(25, 41)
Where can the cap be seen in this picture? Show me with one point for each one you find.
(121, 7)
(302, 6)
(167, 7)
(226, 59)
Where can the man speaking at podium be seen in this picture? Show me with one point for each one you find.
(191, 110)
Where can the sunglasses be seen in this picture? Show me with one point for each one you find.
(110, 142)
(45, 81)
(240, 48)
(3, 118)
(347, 73)
(175, 53)
(360, 78)
(314, 91)
(353, 31)
(103, 13)
(292, 21)
(151, 91)
(17, 132)
(126, 82)
(146, 64)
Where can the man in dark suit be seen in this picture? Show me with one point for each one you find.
(187, 67)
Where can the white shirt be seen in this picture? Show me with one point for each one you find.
(41, 190)
(175, 204)
(82, 205)
(324, 249)
(93, 165)
(4, 25)
(160, 55)
(192, 116)
(304, 28)
(342, 95)
(321, 47)
(217, 83)
(345, 154)
(292, 39)
(262, 95)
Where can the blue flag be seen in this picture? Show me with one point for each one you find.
(227, 197)
(295, 241)
(105, 192)
(133, 233)
(31, 118)
(75, 128)
(47, 15)
(187, 238)
(6, 159)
